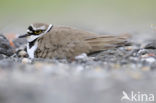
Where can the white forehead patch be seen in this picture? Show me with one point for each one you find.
(42, 28)
(28, 31)
(39, 28)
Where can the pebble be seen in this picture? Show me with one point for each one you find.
(149, 60)
(129, 48)
(26, 61)
(82, 56)
(142, 51)
(144, 56)
(22, 53)
(151, 45)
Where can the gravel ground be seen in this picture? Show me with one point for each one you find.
(99, 78)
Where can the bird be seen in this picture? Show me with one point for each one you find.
(64, 42)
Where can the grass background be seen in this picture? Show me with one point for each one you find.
(112, 16)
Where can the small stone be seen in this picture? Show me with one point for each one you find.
(142, 52)
(148, 55)
(84, 57)
(152, 54)
(81, 56)
(26, 61)
(151, 45)
(149, 60)
(22, 53)
(129, 48)
(144, 56)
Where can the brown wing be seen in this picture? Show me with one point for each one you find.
(62, 42)
(104, 42)
(66, 42)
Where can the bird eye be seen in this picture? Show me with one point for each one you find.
(38, 32)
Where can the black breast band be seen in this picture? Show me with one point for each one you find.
(32, 43)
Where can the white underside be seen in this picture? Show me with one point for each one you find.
(31, 51)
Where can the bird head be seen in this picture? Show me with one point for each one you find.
(36, 30)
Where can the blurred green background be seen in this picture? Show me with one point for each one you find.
(112, 16)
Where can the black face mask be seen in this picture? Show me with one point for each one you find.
(30, 28)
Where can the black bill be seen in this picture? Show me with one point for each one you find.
(23, 36)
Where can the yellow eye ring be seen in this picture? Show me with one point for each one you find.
(38, 32)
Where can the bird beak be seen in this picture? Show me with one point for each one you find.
(23, 36)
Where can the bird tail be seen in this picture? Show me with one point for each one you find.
(105, 42)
